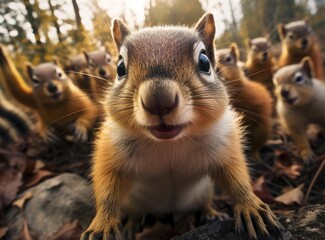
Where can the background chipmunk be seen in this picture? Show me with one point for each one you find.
(169, 133)
(299, 41)
(248, 97)
(57, 101)
(260, 62)
(301, 101)
(101, 66)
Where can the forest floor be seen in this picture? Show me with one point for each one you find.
(281, 179)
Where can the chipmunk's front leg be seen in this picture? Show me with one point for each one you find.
(108, 190)
(251, 215)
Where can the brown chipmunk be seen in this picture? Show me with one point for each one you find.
(260, 62)
(301, 101)
(170, 134)
(299, 41)
(78, 71)
(248, 97)
(59, 103)
(101, 66)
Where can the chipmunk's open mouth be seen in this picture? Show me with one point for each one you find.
(164, 131)
(56, 96)
(291, 101)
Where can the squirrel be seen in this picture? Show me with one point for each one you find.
(298, 41)
(15, 125)
(260, 63)
(169, 134)
(250, 98)
(101, 67)
(301, 101)
(78, 71)
(51, 94)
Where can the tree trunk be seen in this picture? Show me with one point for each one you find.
(55, 22)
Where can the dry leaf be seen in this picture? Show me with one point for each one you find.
(159, 231)
(3, 231)
(10, 181)
(37, 177)
(293, 171)
(293, 196)
(70, 231)
(261, 191)
(21, 201)
(26, 233)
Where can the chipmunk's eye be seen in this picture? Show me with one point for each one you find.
(108, 58)
(36, 82)
(204, 63)
(299, 79)
(229, 59)
(121, 70)
(290, 36)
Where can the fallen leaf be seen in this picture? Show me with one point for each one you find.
(159, 231)
(26, 233)
(261, 191)
(3, 231)
(37, 177)
(21, 201)
(293, 171)
(293, 196)
(10, 181)
(70, 231)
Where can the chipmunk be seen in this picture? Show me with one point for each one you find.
(301, 101)
(58, 102)
(248, 97)
(260, 62)
(15, 125)
(299, 41)
(101, 66)
(78, 71)
(170, 134)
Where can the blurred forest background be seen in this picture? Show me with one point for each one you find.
(35, 30)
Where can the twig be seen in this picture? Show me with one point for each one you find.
(314, 180)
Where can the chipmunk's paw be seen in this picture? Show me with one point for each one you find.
(101, 230)
(77, 133)
(257, 220)
(49, 136)
(211, 214)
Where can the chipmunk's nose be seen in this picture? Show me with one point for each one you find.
(52, 88)
(285, 93)
(159, 102)
(102, 72)
(304, 42)
(265, 55)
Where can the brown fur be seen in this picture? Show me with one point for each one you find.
(248, 97)
(100, 64)
(293, 50)
(142, 167)
(66, 107)
(260, 61)
(301, 101)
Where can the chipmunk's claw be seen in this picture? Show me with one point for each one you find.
(257, 220)
(112, 234)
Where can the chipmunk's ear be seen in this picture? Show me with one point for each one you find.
(282, 30)
(30, 70)
(206, 29)
(2, 55)
(89, 60)
(248, 43)
(56, 61)
(306, 20)
(234, 51)
(308, 66)
(119, 32)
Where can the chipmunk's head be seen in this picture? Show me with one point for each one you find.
(77, 68)
(258, 50)
(297, 36)
(226, 63)
(294, 84)
(50, 83)
(165, 87)
(100, 63)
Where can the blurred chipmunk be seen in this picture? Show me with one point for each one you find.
(260, 62)
(250, 98)
(299, 41)
(301, 101)
(15, 124)
(57, 101)
(101, 65)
